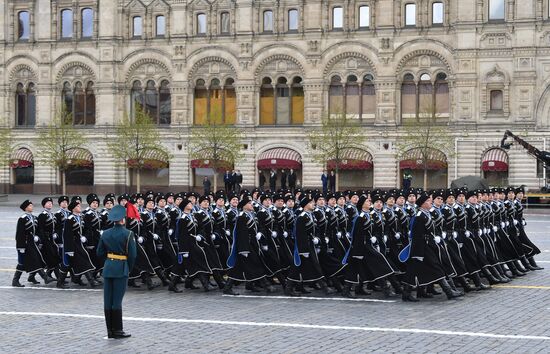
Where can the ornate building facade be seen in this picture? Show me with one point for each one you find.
(275, 69)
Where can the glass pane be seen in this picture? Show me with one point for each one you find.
(410, 14)
(225, 23)
(80, 176)
(151, 101)
(161, 26)
(293, 20)
(90, 106)
(24, 27)
(230, 105)
(408, 98)
(137, 96)
(437, 13)
(24, 175)
(442, 98)
(137, 27)
(165, 104)
(200, 105)
(337, 17)
(268, 20)
(201, 23)
(267, 114)
(68, 98)
(67, 23)
(496, 101)
(79, 105)
(496, 9)
(31, 106)
(364, 16)
(87, 23)
(21, 106)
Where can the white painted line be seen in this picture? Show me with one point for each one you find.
(7, 247)
(267, 297)
(285, 325)
(543, 261)
(40, 288)
(9, 258)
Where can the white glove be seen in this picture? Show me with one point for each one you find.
(198, 238)
(437, 239)
(327, 240)
(507, 223)
(170, 232)
(213, 237)
(523, 222)
(265, 248)
(348, 235)
(185, 254)
(274, 234)
(385, 238)
(156, 237)
(397, 235)
(244, 254)
(305, 254)
(467, 233)
(455, 234)
(227, 233)
(83, 239)
(315, 240)
(339, 234)
(140, 239)
(36, 238)
(21, 250)
(258, 236)
(70, 254)
(444, 234)
(515, 222)
(100, 232)
(479, 232)
(495, 229)
(373, 240)
(419, 258)
(285, 234)
(502, 224)
(54, 236)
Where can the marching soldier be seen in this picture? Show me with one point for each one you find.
(165, 247)
(530, 248)
(151, 238)
(92, 231)
(46, 231)
(108, 203)
(221, 229)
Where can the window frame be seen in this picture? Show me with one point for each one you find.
(293, 30)
(19, 12)
(82, 23)
(442, 23)
(26, 90)
(359, 17)
(86, 87)
(333, 18)
(264, 30)
(496, 110)
(405, 17)
(62, 23)
(221, 31)
(198, 16)
(134, 35)
(157, 17)
(489, 18)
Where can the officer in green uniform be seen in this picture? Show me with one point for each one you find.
(117, 247)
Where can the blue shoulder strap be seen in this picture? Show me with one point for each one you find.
(345, 260)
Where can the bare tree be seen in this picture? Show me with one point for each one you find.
(333, 141)
(136, 140)
(60, 145)
(216, 142)
(6, 148)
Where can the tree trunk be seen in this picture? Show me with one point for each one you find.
(337, 179)
(63, 182)
(215, 180)
(138, 180)
(425, 178)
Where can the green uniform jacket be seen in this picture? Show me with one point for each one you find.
(117, 240)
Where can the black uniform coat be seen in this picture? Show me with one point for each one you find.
(222, 233)
(205, 228)
(92, 231)
(192, 257)
(28, 250)
(466, 244)
(269, 248)
(449, 237)
(80, 262)
(46, 230)
(142, 264)
(330, 264)
(165, 248)
(306, 265)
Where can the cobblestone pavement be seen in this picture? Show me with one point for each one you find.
(509, 319)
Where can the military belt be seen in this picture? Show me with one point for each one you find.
(117, 257)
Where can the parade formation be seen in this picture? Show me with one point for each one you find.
(351, 243)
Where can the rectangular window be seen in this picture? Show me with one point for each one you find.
(87, 23)
(137, 26)
(410, 15)
(66, 23)
(337, 18)
(268, 21)
(225, 23)
(161, 26)
(293, 20)
(364, 16)
(437, 13)
(201, 24)
(23, 26)
(497, 100)
(496, 9)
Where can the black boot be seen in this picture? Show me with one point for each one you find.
(526, 264)
(430, 289)
(118, 332)
(228, 288)
(61, 281)
(337, 285)
(453, 286)
(132, 284)
(15, 282)
(32, 279)
(422, 293)
(108, 322)
(327, 290)
(91, 281)
(252, 287)
(163, 279)
(396, 284)
(290, 289)
(515, 271)
(301, 288)
(451, 294)
(498, 276)
(490, 278)
(172, 285)
(407, 294)
(386, 287)
(478, 283)
(76, 279)
(189, 284)
(349, 291)
(520, 267)
(205, 282)
(149, 281)
(267, 286)
(360, 290)
(219, 280)
(52, 271)
(464, 284)
(46, 277)
(534, 264)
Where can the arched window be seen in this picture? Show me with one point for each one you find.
(425, 95)
(368, 95)
(337, 18)
(364, 16)
(225, 23)
(408, 96)
(137, 29)
(267, 102)
(497, 100)
(87, 23)
(161, 26)
(336, 96)
(25, 107)
(282, 104)
(437, 13)
(23, 26)
(441, 94)
(268, 21)
(410, 15)
(229, 102)
(66, 23)
(201, 102)
(496, 10)
(137, 97)
(201, 24)
(216, 102)
(79, 101)
(293, 20)
(297, 93)
(155, 100)
(353, 97)
(165, 103)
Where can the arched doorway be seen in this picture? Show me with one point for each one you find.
(494, 167)
(279, 160)
(22, 167)
(80, 171)
(355, 169)
(154, 173)
(202, 168)
(412, 163)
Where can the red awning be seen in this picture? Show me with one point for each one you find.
(206, 163)
(80, 157)
(280, 158)
(353, 159)
(495, 160)
(413, 160)
(152, 159)
(22, 158)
